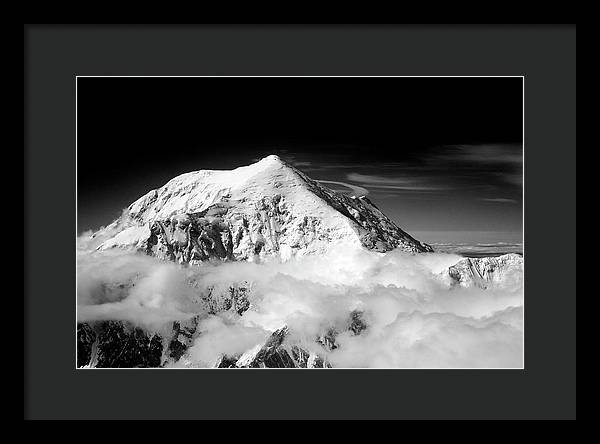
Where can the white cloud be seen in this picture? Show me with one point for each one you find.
(414, 317)
(355, 189)
(393, 183)
(218, 337)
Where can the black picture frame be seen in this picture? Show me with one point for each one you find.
(545, 55)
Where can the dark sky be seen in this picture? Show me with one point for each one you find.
(435, 154)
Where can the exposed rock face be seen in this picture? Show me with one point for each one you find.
(272, 354)
(265, 209)
(275, 353)
(86, 345)
(357, 323)
(487, 271)
(120, 344)
(182, 338)
(234, 297)
(117, 344)
(304, 359)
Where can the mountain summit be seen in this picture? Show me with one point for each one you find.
(268, 208)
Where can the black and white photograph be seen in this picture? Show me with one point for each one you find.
(299, 222)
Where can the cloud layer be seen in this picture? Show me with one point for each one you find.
(415, 318)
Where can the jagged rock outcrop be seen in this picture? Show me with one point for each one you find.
(304, 359)
(120, 344)
(272, 354)
(265, 209)
(235, 298)
(487, 271)
(117, 344)
(86, 345)
(275, 353)
(181, 338)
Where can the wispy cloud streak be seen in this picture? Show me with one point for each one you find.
(392, 183)
(356, 190)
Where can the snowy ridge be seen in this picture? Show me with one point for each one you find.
(265, 209)
(505, 270)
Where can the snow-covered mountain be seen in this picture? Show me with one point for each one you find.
(265, 209)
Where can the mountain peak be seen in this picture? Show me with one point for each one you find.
(271, 161)
(272, 158)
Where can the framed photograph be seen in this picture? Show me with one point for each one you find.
(363, 224)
